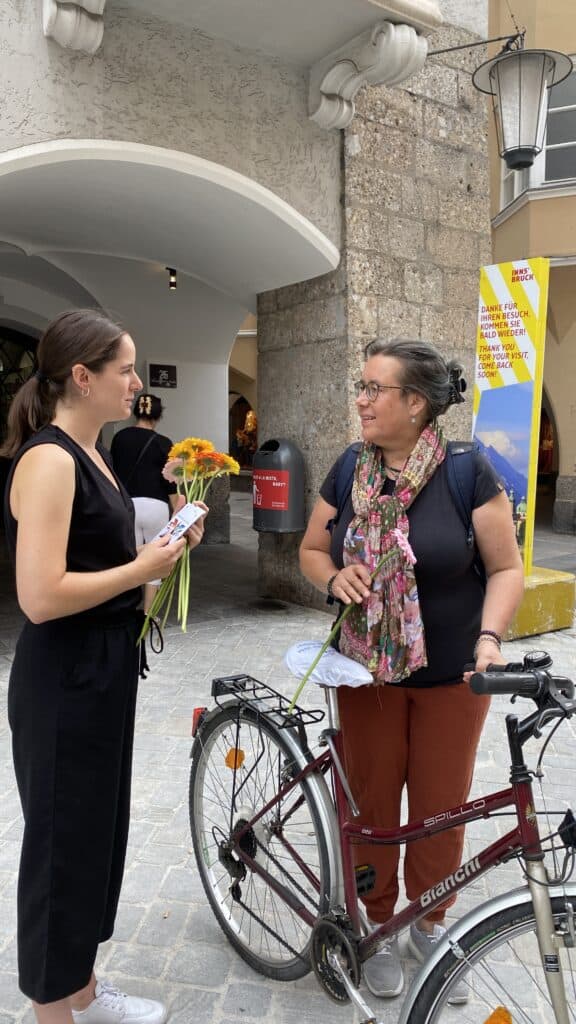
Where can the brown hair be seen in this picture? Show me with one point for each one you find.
(424, 370)
(80, 336)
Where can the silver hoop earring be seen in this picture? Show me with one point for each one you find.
(86, 393)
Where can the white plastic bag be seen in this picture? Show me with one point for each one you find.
(333, 669)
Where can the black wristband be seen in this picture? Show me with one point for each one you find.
(330, 584)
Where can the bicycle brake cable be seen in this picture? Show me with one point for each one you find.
(539, 774)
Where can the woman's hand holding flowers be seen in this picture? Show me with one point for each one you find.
(196, 532)
(156, 559)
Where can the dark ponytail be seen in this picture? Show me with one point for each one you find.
(80, 336)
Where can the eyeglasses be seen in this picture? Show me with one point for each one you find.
(372, 389)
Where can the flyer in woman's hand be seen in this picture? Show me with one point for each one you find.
(181, 521)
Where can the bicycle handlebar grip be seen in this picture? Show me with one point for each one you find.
(497, 680)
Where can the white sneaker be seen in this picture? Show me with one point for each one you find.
(421, 945)
(383, 972)
(111, 1006)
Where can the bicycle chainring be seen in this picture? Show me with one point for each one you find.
(329, 936)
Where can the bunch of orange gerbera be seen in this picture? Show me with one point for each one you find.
(192, 465)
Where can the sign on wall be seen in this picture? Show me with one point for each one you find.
(508, 381)
(162, 375)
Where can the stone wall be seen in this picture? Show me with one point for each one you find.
(303, 377)
(416, 231)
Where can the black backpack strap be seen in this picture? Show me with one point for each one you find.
(461, 471)
(344, 480)
(139, 459)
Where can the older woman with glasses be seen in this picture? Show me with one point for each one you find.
(415, 627)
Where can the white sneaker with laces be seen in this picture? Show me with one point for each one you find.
(110, 1006)
(421, 945)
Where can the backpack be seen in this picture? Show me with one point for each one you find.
(461, 469)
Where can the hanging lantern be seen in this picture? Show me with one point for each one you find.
(518, 81)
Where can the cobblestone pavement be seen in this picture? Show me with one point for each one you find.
(166, 942)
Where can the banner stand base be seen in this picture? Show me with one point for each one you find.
(548, 603)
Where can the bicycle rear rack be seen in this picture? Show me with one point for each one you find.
(264, 700)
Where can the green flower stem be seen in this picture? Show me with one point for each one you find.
(385, 558)
(322, 651)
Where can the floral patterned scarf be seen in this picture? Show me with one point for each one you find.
(385, 633)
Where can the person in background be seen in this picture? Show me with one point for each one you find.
(415, 627)
(139, 455)
(521, 513)
(72, 691)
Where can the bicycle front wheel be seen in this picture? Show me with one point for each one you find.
(239, 762)
(499, 963)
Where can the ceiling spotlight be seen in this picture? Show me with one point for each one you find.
(172, 279)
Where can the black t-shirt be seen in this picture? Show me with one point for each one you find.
(101, 534)
(146, 480)
(449, 589)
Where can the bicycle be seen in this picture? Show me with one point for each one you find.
(274, 850)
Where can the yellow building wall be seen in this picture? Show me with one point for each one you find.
(550, 24)
(540, 227)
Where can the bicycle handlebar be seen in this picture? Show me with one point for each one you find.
(498, 679)
(528, 678)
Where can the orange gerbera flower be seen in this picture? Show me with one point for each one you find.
(210, 463)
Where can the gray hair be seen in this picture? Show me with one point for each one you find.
(424, 370)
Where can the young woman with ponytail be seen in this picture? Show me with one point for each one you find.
(72, 692)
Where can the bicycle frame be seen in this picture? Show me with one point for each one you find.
(342, 904)
(524, 839)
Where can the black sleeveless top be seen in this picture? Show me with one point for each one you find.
(102, 525)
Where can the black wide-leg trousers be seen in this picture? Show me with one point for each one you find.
(71, 707)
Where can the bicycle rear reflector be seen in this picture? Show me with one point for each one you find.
(197, 718)
(234, 758)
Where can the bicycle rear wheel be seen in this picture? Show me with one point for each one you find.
(239, 761)
(501, 966)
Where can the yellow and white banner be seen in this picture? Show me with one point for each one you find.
(508, 381)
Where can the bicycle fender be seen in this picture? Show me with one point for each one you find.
(513, 898)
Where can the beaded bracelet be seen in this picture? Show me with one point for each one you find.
(486, 634)
(330, 584)
(491, 633)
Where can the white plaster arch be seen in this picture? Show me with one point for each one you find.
(143, 202)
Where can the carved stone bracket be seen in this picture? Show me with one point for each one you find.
(75, 25)
(385, 55)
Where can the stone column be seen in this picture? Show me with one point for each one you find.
(415, 198)
(303, 375)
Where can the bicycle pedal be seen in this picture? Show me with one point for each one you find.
(365, 878)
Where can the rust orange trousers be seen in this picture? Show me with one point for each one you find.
(421, 739)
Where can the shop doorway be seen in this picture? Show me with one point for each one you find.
(547, 465)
